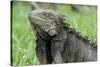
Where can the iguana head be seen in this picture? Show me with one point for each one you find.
(45, 20)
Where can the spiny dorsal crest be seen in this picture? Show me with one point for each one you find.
(79, 36)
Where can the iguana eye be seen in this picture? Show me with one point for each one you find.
(46, 14)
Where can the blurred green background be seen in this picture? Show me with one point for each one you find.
(82, 18)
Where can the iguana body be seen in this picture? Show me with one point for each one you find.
(58, 43)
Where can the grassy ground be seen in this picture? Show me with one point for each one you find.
(23, 39)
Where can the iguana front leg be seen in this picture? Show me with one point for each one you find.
(57, 48)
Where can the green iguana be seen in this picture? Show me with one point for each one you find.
(57, 43)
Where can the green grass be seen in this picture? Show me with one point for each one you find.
(23, 39)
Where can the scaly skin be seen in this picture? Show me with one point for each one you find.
(58, 43)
